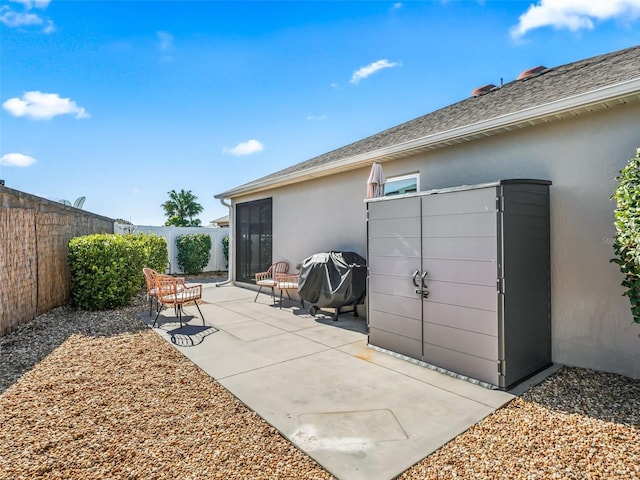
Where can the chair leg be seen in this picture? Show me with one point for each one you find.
(259, 290)
(157, 315)
(287, 291)
(198, 307)
(179, 313)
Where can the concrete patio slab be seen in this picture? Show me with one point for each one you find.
(491, 398)
(330, 336)
(361, 413)
(291, 322)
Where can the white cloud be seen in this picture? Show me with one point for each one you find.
(43, 106)
(16, 160)
(14, 19)
(316, 117)
(49, 27)
(397, 6)
(26, 18)
(165, 40)
(574, 14)
(29, 4)
(372, 68)
(245, 148)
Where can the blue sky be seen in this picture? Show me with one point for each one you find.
(122, 101)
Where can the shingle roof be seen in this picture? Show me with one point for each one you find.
(551, 85)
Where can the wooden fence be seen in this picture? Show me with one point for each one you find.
(34, 238)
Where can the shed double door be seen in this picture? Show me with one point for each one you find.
(437, 280)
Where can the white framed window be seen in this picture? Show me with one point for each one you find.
(402, 184)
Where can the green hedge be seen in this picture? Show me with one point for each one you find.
(627, 222)
(194, 252)
(106, 269)
(154, 251)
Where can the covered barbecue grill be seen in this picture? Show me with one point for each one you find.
(333, 280)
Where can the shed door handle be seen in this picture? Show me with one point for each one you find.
(415, 278)
(423, 277)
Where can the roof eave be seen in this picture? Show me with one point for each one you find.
(601, 98)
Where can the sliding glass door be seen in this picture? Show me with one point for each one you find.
(253, 238)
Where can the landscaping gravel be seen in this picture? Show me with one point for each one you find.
(100, 395)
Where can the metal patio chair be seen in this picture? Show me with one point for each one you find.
(286, 282)
(268, 278)
(150, 278)
(174, 292)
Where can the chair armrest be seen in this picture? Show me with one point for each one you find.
(189, 293)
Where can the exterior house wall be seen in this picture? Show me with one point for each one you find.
(592, 326)
(318, 215)
(321, 215)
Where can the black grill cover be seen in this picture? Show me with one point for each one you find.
(333, 279)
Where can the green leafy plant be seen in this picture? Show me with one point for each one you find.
(225, 249)
(627, 222)
(155, 253)
(194, 252)
(106, 269)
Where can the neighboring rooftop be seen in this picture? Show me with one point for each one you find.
(536, 90)
(220, 222)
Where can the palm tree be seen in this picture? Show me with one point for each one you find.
(181, 208)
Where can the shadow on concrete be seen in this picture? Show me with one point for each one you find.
(346, 320)
(190, 335)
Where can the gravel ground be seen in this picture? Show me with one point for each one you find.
(99, 395)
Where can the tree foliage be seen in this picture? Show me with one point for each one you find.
(181, 208)
(627, 222)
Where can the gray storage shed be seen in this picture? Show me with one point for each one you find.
(460, 278)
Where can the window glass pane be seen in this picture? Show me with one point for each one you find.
(400, 186)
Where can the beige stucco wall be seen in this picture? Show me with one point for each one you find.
(592, 325)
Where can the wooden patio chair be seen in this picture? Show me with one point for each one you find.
(150, 279)
(286, 282)
(174, 292)
(268, 278)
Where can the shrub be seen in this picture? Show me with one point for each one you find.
(154, 251)
(106, 269)
(194, 252)
(225, 249)
(627, 222)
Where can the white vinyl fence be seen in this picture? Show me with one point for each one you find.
(217, 262)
